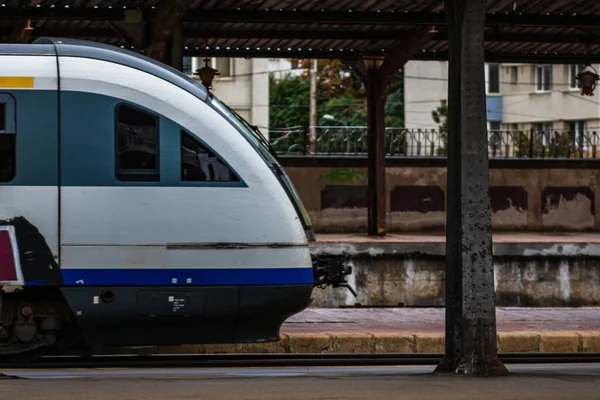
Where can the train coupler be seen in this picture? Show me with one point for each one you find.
(331, 270)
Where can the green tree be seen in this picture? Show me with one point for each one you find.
(334, 80)
(340, 94)
(394, 107)
(394, 110)
(346, 111)
(440, 116)
(288, 102)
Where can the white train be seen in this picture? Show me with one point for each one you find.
(137, 209)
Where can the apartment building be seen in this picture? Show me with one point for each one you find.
(518, 97)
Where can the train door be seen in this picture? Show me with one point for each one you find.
(29, 178)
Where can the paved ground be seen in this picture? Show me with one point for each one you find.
(431, 320)
(435, 237)
(410, 330)
(402, 383)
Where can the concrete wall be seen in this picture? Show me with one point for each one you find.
(558, 105)
(413, 274)
(534, 199)
(393, 282)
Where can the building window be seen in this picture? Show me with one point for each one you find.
(223, 65)
(494, 134)
(199, 164)
(544, 132)
(514, 75)
(574, 69)
(577, 131)
(137, 150)
(493, 78)
(8, 138)
(543, 78)
(187, 66)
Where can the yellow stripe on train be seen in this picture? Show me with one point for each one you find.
(16, 82)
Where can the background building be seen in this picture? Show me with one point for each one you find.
(519, 97)
(243, 84)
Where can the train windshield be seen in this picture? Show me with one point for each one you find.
(261, 144)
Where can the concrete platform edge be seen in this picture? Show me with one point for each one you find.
(438, 249)
(508, 342)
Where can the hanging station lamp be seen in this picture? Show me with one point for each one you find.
(373, 61)
(207, 74)
(587, 79)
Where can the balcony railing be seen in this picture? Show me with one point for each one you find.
(404, 142)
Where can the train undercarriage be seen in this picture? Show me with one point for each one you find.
(38, 320)
(34, 321)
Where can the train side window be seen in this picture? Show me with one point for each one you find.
(2, 116)
(137, 147)
(8, 138)
(199, 164)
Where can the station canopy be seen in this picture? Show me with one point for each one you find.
(560, 31)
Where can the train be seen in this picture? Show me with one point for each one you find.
(137, 209)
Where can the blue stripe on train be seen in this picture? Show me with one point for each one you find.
(228, 276)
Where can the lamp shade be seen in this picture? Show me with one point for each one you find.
(587, 79)
(374, 61)
(207, 74)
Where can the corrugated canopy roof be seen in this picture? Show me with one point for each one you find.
(516, 30)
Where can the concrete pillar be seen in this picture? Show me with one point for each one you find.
(470, 305)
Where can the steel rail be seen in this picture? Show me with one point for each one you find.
(280, 360)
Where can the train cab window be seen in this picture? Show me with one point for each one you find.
(8, 138)
(137, 149)
(199, 164)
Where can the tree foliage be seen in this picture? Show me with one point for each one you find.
(288, 102)
(440, 116)
(341, 97)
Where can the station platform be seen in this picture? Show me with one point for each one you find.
(537, 258)
(440, 237)
(410, 330)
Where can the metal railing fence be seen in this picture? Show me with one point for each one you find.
(414, 142)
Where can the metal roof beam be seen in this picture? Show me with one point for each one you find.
(315, 17)
(169, 15)
(376, 35)
(191, 33)
(383, 18)
(300, 17)
(21, 32)
(540, 58)
(71, 13)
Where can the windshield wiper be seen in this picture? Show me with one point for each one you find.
(255, 129)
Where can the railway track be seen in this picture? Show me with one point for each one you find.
(281, 360)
